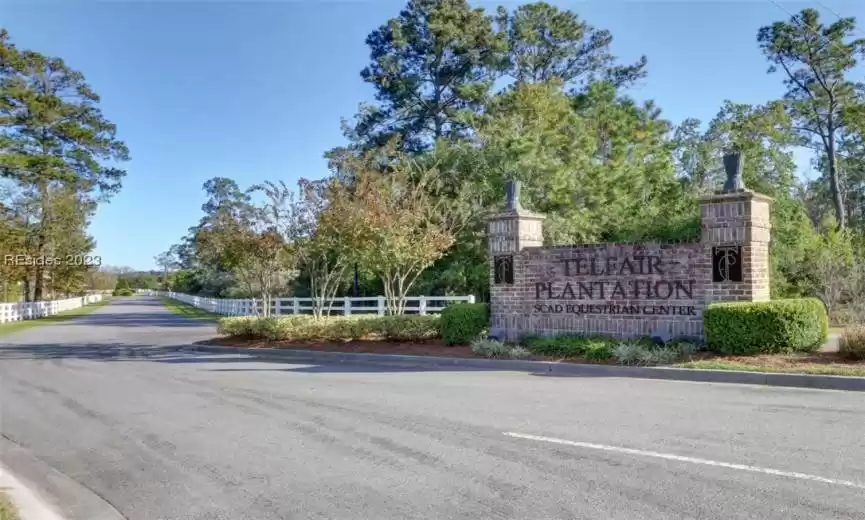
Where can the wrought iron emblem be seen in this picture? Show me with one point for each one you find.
(503, 269)
(727, 264)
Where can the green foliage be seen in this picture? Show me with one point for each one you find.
(463, 323)
(125, 291)
(851, 344)
(489, 348)
(59, 156)
(815, 60)
(647, 353)
(310, 328)
(748, 328)
(593, 348)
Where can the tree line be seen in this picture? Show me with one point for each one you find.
(59, 159)
(466, 100)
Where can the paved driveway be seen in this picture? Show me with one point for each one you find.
(167, 435)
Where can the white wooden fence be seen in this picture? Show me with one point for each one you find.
(33, 310)
(347, 306)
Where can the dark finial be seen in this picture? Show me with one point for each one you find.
(514, 196)
(733, 162)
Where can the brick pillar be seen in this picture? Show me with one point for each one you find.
(510, 232)
(736, 232)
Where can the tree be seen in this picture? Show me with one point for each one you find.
(400, 229)
(816, 60)
(53, 135)
(166, 261)
(546, 43)
(323, 235)
(428, 64)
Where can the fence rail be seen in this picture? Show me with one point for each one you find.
(346, 306)
(33, 310)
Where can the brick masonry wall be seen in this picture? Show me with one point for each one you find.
(555, 292)
(662, 288)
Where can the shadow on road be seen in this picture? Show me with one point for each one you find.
(120, 317)
(186, 354)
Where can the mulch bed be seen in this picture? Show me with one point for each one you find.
(429, 348)
(437, 348)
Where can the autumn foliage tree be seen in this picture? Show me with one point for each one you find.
(399, 227)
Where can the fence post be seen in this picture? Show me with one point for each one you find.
(381, 305)
(295, 306)
(346, 306)
(422, 306)
(471, 298)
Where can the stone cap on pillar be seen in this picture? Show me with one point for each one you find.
(731, 196)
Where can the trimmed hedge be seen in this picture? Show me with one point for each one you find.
(308, 328)
(463, 323)
(771, 327)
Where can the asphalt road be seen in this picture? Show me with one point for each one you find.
(163, 435)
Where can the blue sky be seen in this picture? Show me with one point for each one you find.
(255, 90)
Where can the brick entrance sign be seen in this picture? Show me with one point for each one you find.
(628, 290)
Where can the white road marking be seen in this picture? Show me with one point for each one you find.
(692, 460)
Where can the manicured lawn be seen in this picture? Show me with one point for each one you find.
(8, 511)
(187, 311)
(15, 326)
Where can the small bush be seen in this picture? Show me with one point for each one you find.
(595, 348)
(519, 352)
(490, 348)
(123, 292)
(628, 353)
(463, 323)
(405, 327)
(647, 353)
(851, 344)
(747, 328)
(598, 351)
(309, 328)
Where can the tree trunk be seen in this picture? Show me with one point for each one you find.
(38, 283)
(834, 182)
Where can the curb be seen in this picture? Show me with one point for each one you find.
(547, 368)
(62, 495)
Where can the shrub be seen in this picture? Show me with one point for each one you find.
(519, 352)
(595, 348)
(307, 328)
(851, 344)
(464, 322)
(628, 353)
(404, 327)
(769, 327)
(642, 352)
(490, 348)
(123, 292)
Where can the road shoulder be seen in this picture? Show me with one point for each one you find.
(41, 492)
(551, 368)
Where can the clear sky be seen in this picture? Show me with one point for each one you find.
(255, 90)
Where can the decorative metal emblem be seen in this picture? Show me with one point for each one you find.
(727, 264)
(503, 269)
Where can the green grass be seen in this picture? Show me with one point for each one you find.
(15, 326)
(187, 311)
(8, 511)
(814, 369)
